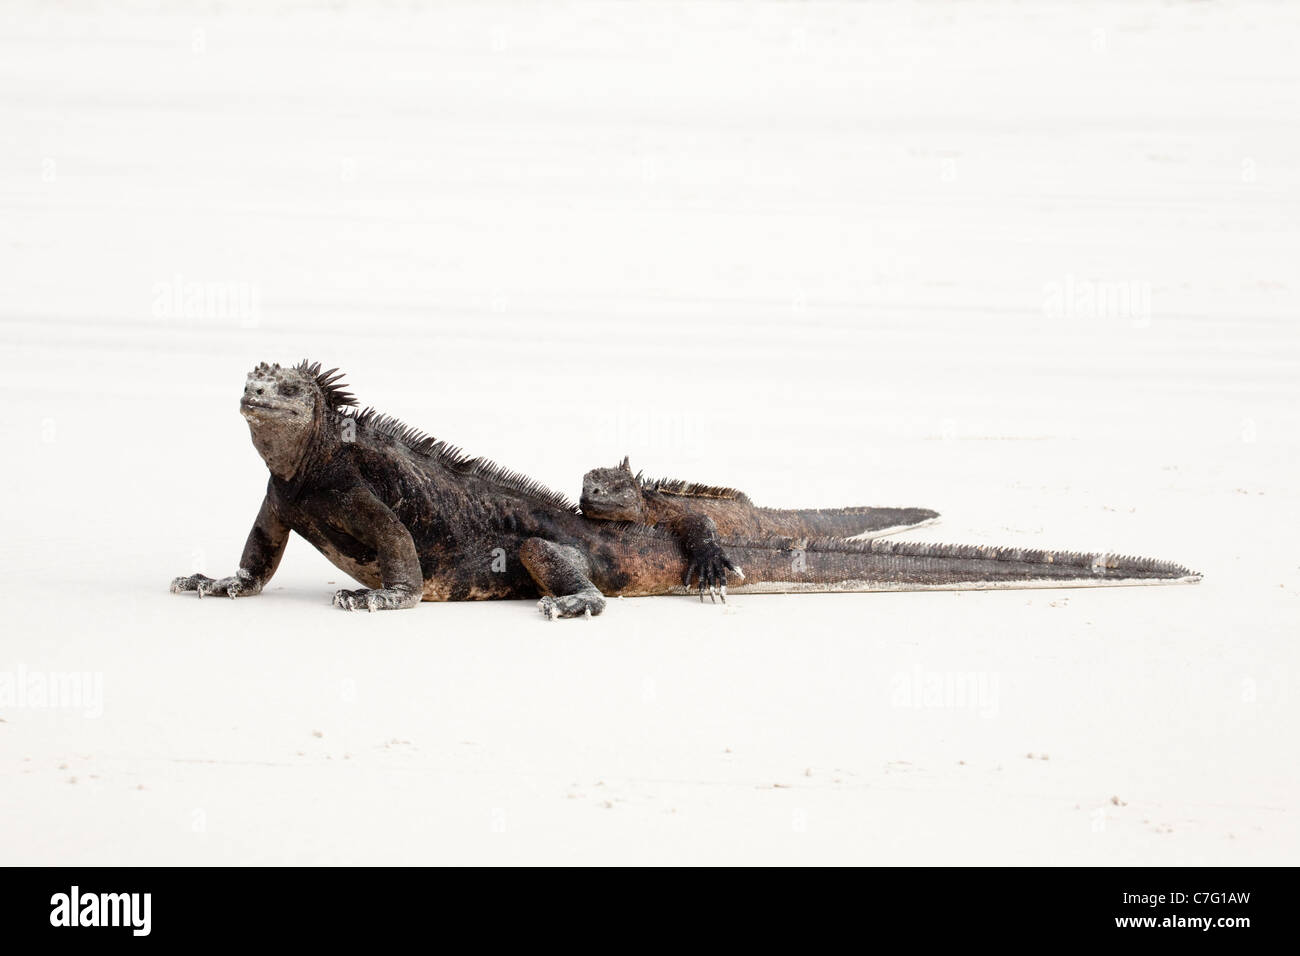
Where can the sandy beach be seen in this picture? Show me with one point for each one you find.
(1029, 265)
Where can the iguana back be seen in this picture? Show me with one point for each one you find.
(738, 517)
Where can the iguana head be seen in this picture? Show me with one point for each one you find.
(613, 494)
(282, 407)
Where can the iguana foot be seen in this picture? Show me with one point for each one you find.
(572, 605)
(711, 563)
(379, 599)
(238, 585)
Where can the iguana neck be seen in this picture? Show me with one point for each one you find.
(652, 508)
(287, 449)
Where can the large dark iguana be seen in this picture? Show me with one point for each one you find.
(702, 515)
(415, 519)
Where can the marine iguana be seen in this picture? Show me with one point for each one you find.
(701, 515)
(414, 518)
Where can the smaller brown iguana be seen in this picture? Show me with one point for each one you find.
(702, 515)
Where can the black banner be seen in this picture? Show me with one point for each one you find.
(331, 906)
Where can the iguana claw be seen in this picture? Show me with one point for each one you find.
(711, 564)
(583, 604)
(378, 599)
(238, 585)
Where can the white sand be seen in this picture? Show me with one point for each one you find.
(832, 254)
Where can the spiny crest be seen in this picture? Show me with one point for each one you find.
(334, 390)
(263, 372)
(691, 489)
(456, 459)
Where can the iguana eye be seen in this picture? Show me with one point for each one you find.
(288, 389)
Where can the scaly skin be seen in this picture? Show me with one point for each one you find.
(701, 516)
(414, 519)
(833, 564)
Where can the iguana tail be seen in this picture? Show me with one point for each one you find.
(841, 522)
(831, 564)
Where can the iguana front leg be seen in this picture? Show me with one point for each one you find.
(561, 574)
(705, 557)
(262, 553)
(373, 523)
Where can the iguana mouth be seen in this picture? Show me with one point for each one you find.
(246, 405)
